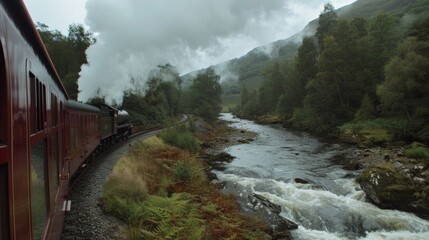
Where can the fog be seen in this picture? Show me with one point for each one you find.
(134, 36)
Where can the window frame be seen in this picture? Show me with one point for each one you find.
(46, 188)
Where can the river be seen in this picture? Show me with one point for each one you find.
(331, 206)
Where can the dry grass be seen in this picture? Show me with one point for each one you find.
(163, 193)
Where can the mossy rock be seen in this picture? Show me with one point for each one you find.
(387, 188)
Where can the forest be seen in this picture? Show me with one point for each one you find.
(352, 75)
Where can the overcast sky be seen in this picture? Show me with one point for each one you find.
(134, 36)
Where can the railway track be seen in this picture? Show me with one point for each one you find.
(86, 219)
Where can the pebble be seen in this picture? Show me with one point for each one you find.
(397, 165)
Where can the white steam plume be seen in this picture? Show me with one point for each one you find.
(134, 36)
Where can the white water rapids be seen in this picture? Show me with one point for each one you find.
(331, 207)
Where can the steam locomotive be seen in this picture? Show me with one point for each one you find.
(44, 136)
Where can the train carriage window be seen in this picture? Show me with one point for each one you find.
(43, 108)
(55, 159)
(4, 209)
(54, 110)
(37, 103)
(72, 133)
(33, 103)
(61, 113)
(39, 188)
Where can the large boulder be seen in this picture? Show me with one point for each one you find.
(388, 188)
(258, 205)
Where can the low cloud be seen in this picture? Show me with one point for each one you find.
(134, 36)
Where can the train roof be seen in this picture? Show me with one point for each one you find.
(78, 106)
(18, 12)
(100, 105)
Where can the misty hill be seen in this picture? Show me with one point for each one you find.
(247, 70)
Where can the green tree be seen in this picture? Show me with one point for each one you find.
(245, 96)
(205, 95)
(157, 100)
(366, 110)
(420, 30)
(305, 67)
(383, 39)
(327, 22)
(252, 106)
(272, 87)
(67, 53)
(337, 90)
(405, 92)
(79, 40)
(293, 89)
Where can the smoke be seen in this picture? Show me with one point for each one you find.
(134, 36)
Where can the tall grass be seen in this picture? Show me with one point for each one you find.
(373, 124)
(162, 192)
(181, 137)
(418, 151)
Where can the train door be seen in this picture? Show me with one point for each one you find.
(40, 204)
(55, 127)
(4, 150)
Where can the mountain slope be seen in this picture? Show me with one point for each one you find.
(247, 70)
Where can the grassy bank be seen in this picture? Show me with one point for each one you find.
(162, 192)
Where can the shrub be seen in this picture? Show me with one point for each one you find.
(180, 137)
(181, 171)
(418, 151)
(162, 192)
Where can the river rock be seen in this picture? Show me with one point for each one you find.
(349, 175)
(245, 141)
(211, 175)
(301, 180)
(279, 225)
(255, 204)
(222, 157)
(387, 188)
(215, 159)
(352, 166)
(418, 180)
(397, 165)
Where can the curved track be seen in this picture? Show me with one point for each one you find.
(86, 220)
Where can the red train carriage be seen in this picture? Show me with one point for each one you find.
(82, 126)
(44, 137)
(33, 168)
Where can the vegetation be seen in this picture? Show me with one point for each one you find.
(203, 98)
(418, 151)
(162, 192)
(157, 101)
(67, 52)
(368, 77)
(181, 137)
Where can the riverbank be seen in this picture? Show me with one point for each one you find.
(250, 203)
(304, 176)
(394, 175)
(162, 192)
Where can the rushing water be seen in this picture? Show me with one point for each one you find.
(331, 207)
